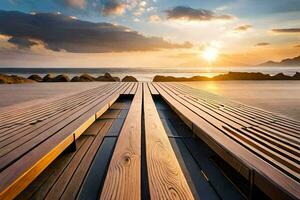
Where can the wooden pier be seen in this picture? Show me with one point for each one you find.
(147, 141)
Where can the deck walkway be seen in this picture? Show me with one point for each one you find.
(147, 140)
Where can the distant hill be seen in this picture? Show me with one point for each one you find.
(285, 62)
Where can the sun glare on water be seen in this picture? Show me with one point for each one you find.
(210, 54)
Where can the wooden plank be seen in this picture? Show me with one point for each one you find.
(125, 88)
(111, 114)
(58, 173)
(21, 127)
(63, 180)
(92, 184)
(17, 176)
(77, 178)
(20, 108)
(152, 89)
(94, 129)
(266, 140)
(131, 85)
(285, 186)
(116, 127)
(39, 188)
(197, 179)
(166, 179)
(202, 154)
(47, 131)
(253, 142)
(27, 132)
(12, 184)
(258, 114)
(134, 89)
(123, 179)
(38, 110)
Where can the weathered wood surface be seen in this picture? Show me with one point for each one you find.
(35, 146)
(268, 145)
(69, 176)
(166, 180)
(261, 146)
(123, 179)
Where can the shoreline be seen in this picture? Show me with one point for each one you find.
(107, 77)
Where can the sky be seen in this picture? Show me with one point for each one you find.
(147, 33)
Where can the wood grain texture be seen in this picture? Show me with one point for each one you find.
(271, 180)
(166, 179)
(135, 86)
(289, 159)
(74, 119)
(77, 179)
(123, 179)
(152, 89)
(23, 171)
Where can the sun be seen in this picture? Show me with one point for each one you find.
(210, 54)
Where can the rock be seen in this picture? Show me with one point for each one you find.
(242, 76)
(35, 77)
(281, 76)
(61, 78)
(229, 76)
(129, 79)
(58, 78)
(47, 78)
(83, 78)
(75, 79)
(159, 78)
(108, 77)
(296, 76)
(13, 79)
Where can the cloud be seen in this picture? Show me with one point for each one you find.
(22, 43)
(262, 44)
(113, 7)
(244, 27)
(59, 32)
(154, 18)
(297, 46)
(286, 30)
(75, 3)
(140, 8)
(191, 14)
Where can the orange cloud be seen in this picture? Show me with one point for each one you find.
(262, 44)
(243, 27)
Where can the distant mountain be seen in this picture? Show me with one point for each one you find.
(285, 62)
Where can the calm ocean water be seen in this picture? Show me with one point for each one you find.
(147, 74)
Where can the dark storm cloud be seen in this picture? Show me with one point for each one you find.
(286, 30)
(262, 44)
(191, 14)
(22, 42)
(243, 27)
(59, 32)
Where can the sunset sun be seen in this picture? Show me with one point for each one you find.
(210, 54)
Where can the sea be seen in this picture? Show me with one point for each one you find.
(147, 74)
(281, 97)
